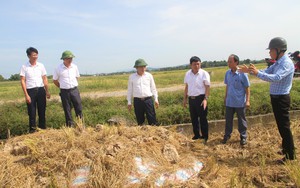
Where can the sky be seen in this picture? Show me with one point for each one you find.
(109, 35)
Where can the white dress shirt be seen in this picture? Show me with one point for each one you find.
(141, 86)
(66, 76)
(33, 75)
(196, 82)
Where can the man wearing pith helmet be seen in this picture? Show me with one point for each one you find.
(280, 76)
(141, 87)
(65, 77)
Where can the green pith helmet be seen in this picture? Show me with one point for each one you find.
(140, 63)
(67, 54)
(278, 43)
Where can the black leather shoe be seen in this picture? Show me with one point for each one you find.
(281, 152)
(225, 139)
(243, 141)
(281, 161)
(195, 137)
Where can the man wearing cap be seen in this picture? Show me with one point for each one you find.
(197, 83)
(280, 76)
(141, 87)
(65, 77)
(34, 83)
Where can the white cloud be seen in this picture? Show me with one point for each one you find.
(164, 32)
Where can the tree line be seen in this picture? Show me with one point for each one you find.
(204, 64)
(207, 64)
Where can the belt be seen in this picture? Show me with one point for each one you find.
(143, 98)
(278, 96)
(35, 88)
(69, 89)
(195, 97)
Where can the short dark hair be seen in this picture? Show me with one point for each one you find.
(194, 59)
(30, 50)
(236, 58)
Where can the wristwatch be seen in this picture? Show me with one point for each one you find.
(205, 97)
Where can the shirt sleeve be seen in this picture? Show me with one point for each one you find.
(55, 74)
(153, 88)
(246, 81)
(206, 78)
(185, 79)
(22, 72)
(225, 79)
(129, 91)
(77, 72)
(281, 73)
(44, 72)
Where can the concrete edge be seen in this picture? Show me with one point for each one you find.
(219, 125)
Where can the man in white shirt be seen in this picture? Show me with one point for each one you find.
(65, 77)
(141, 87)
(34, 83)
(197, 84)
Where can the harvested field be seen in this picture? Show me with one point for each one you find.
(120, 156)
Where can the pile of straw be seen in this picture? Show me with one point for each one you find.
(51, 158)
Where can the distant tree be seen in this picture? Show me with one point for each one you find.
(14, 77)
(247, 61)
(2, 78)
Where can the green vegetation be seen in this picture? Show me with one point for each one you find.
(13, 115)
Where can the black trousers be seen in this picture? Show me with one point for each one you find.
(142, 107)
(196, 112)
(38, 102)
(71, 97)
(281, 106)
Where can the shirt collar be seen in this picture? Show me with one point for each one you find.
(282, 59)
(29, 64)
(191, 72)
(235, 72)
(64, 66)
(140, 75)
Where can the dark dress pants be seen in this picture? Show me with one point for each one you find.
(71, 97)
(144, 106)
(196, 112)
(38, 102)
(281, 106)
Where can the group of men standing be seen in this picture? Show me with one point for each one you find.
(141, 87)
(34, 83)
